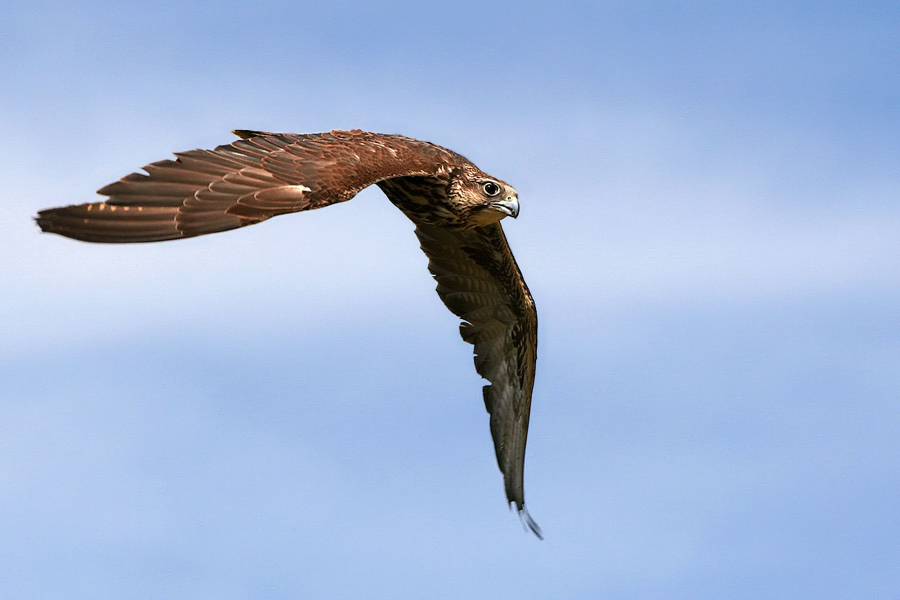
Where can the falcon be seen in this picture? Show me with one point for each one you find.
(455, 206)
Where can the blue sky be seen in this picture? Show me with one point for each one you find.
(709, 226)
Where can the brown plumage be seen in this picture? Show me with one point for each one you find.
(455, 206)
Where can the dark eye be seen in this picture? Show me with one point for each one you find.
(490, 188)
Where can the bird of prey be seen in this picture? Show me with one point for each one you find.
(456, 209)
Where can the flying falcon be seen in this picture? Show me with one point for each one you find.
(455, 207)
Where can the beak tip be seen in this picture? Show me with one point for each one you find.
(509, 206)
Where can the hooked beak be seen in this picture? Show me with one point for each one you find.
(510, 206)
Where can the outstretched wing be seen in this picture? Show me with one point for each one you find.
(242, 183)
(479, 281)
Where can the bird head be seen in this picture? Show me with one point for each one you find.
(487, 198)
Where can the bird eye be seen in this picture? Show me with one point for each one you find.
(490, 188)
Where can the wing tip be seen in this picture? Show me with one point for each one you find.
(46, 220)
(528, 522)
(40, 220)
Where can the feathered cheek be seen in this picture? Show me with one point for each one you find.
(485, 215)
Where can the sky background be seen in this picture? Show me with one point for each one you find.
(709, 226)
